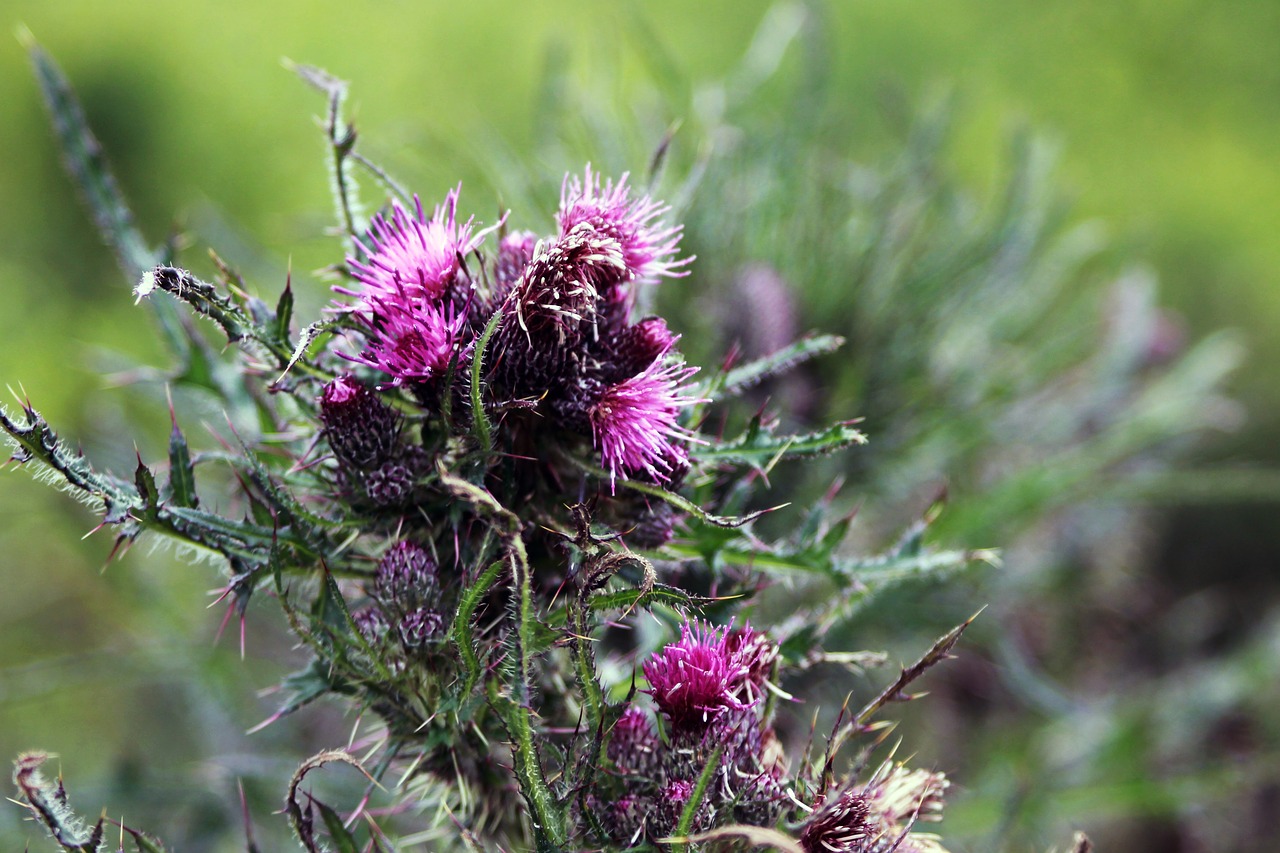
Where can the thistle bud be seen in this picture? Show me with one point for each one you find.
(362, 430)
(406, 577)
(633, 744)
(421, 629)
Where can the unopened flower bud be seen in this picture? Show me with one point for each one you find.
(362, 430)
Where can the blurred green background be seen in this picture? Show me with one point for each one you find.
(1165, 117)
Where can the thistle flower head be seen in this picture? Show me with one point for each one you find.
(633, 743)
(410, 338)
(635, 423)
(838, 825)
(635, 347)
(648, 246)
(406, 575)
(696, 679)
(557, 295)
(408, 253)
(420, 628)
(362, 430)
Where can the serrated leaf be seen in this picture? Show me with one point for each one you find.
(145, 842)
(84, 160)
(284, 312)
(629, 599)
(182, 477)
(760, 448)
(308, 337)
(745, 376)
(146, 483)
(338, 832)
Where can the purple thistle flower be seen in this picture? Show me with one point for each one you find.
(648, 247)
(412, 254)
(696, 679)
(421, 628)
(635, 423)
(635, 347)
(361, 429)
(412, 339)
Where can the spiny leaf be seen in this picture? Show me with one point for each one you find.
(338, 832)
(284, 312)
(759, 447)
(182, 477)
(84, 159)
(743, 377)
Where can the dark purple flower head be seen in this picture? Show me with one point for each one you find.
(406, 576)
(372, 624)
(633, 744)
(635, 423)
(838, 825)
(411, 339)
(648, 246)
(410, 254)
(696, 679)
(421, 628)
(637, 346)
(361, 429)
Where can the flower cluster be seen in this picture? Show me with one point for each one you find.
(565, 346)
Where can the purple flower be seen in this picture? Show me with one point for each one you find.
(411, 338)
(648, 247)
(635, 423)
(412, 255)
(637, 346)
(696, 679)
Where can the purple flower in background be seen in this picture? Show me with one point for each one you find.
(697, 678)
(635, 423)
(648, 247)
(410, 254)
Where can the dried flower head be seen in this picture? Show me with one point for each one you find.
(758, 653)
(556, 297)
(695, 679)
(636, 422)
(838, 825)
(648, 246)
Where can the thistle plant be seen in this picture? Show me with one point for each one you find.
(515, 531)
